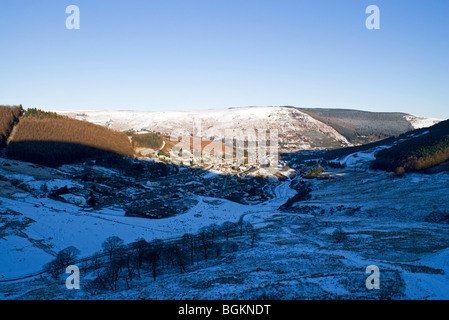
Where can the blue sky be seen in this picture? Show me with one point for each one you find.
(205, 54)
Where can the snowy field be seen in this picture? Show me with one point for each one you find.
(317, 249)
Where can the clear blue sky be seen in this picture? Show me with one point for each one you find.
(205, 54)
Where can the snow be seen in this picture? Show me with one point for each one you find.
(21, 177)
(359, 158)
(216, 124)
(19, 257)
(298, 255)
(64, 224)
(421, 122)
(425, 286)
(211, 174)
(74, 199)
(54, 184)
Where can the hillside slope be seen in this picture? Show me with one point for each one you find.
(296, 129)
(317, 248)
(299, 129)
(55, 141)
(361, 127)
(425, 149)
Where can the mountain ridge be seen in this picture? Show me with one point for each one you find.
(298, 128)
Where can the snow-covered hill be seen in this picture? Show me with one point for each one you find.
(316, 249)
(296, 129)
(421, 122)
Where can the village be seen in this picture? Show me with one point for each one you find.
(155, 189)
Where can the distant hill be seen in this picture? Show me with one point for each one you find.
(361, 127)
(298, 128)
(424, 149)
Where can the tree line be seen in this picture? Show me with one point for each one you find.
(418, 153)
(119, 265)
(147, 140)
(36, 113)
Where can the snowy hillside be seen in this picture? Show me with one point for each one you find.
(296, 129)
(314, 248)
(421, 122)
(306, 230)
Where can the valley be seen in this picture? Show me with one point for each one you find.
(316, 248)
(224, 158)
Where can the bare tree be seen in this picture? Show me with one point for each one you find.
(180, 257)
(110, 275)
(63, 259)
(205, 241)
(129, 263)
(94, 286)
(111, 245)
(227, 228)
(214, 231)
(188, 242)
(153, 256)
(254, 236)
(139, 248)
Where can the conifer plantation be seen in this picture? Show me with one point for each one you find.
(148, 140)
(419, 153)
(51, 140)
